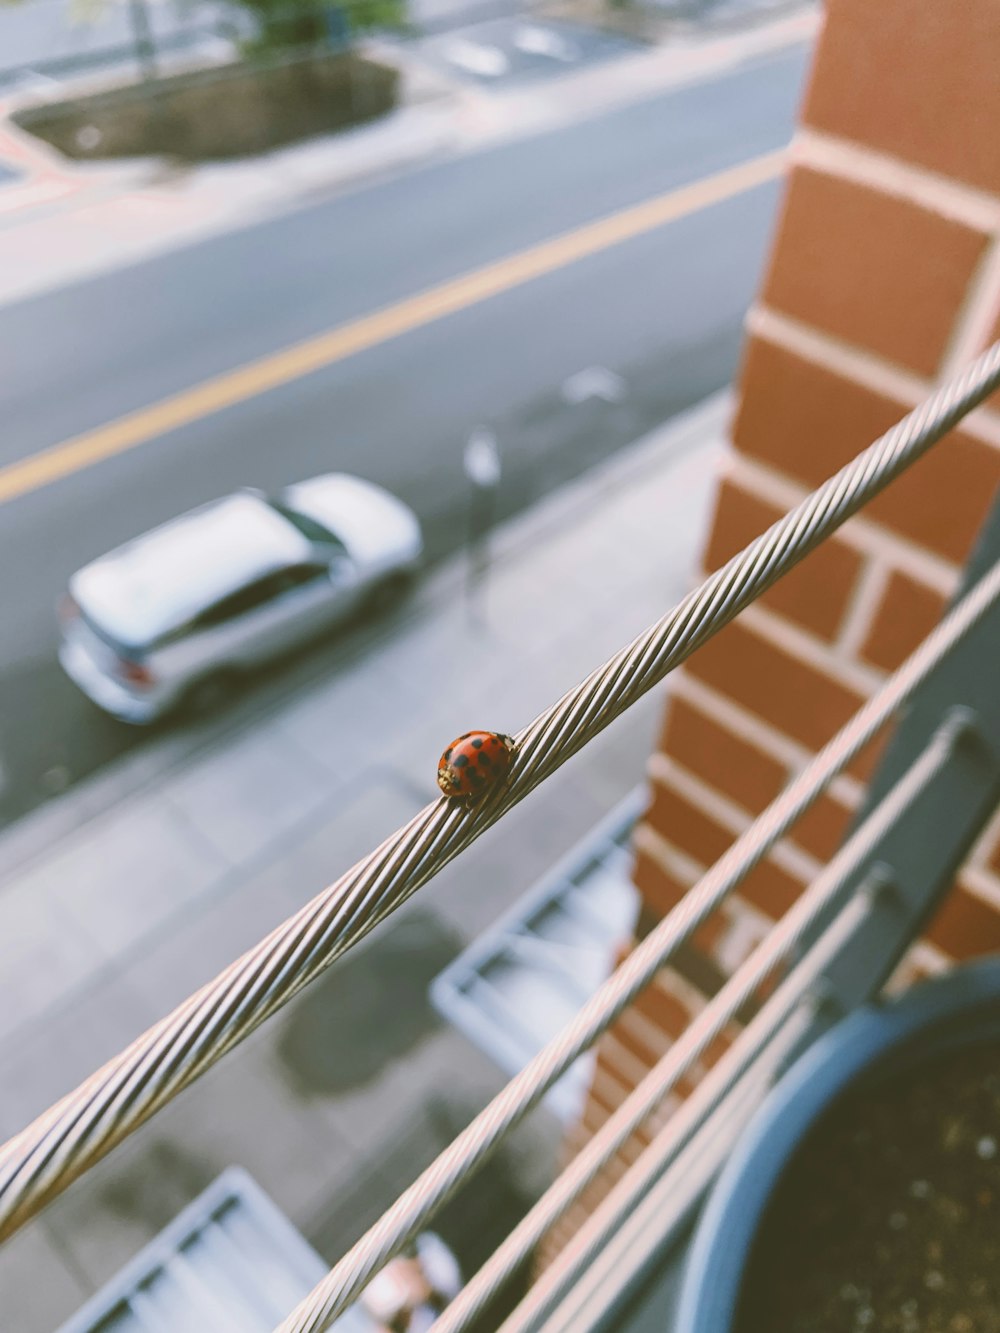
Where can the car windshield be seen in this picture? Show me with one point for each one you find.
(310, 529)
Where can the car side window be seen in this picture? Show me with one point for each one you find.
(236, 604)
(257, 594)
(286, 580)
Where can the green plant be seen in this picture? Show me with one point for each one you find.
(282, 24)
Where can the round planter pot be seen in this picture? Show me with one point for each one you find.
(872, 1046)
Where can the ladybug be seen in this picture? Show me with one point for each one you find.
(474, 764)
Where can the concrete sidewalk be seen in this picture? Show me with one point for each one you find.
(62, 221)
(114, 923)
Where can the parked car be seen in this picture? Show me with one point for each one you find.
(182, 613)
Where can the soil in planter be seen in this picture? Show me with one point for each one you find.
(224, 112)
(887, 1219)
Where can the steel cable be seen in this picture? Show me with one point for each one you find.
(761, 1048)
(705, 1027)
(37, 1164)
(413, 1209)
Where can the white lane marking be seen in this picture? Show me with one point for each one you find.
(535, 41)
(594, 382)
(487, 61)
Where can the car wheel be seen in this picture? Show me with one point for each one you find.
(212, 693)
(389, 592)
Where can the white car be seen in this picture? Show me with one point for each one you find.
(180, 614)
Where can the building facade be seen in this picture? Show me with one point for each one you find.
(884, 279)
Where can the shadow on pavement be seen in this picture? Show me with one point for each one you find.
(369, 1010)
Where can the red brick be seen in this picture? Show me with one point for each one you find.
(821, 829)
(660, 891)
(648, 1042)
(686, 826)
(711, 944)
(705, 937)
(606, 1088)
(767, 887)
(749, 777)
(875, 271)
(808, 422)
(724, 760)
(770, 889)
(709, 933)
(615, 1168)
(594, 1116)
(718, 1046)
(619, 1053)
(904, 617)
(594, 1195)
(965, 926)
(816, 592)
(915, 80)
(663, 1009)
(870, 756)
(576, 1138)
(789, 694)
(631, 1150)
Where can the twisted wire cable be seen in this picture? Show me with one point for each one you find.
(754, 1056)
(706, 1026)
(62, 1143)
(410, 1213)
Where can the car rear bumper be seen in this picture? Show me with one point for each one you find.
(106, 692)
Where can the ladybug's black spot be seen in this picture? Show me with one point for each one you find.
(485, 760)
(460, 760)
(478, 742)
(447, 753)
(477, 779)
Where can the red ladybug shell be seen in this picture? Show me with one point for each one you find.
(472, 764)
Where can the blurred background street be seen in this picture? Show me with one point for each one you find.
(653, 322)
(546, 246)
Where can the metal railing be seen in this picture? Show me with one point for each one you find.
(36, 1165)
(408, 1216)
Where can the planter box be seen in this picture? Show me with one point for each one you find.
(229, 111)
(866, 1054)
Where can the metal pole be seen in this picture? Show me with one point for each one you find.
(142, 31)
(481, 462)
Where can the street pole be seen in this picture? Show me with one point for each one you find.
(481, 462)
(142, 32)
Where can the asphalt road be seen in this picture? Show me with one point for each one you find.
(518, 49)
(662, 310)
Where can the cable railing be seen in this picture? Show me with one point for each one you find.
(61, 1144)
(713, 1019)
(412, 1211)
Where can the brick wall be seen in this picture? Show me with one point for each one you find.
(884, 278)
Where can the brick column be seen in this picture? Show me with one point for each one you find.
(884, 279)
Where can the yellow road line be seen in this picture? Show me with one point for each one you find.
(269, 372)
